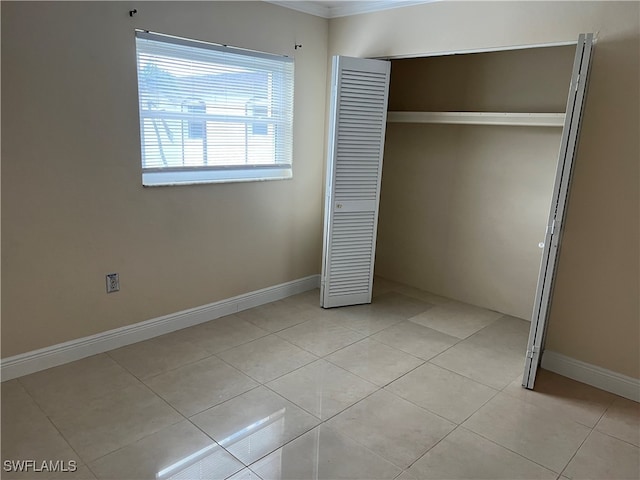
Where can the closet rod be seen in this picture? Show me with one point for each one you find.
(480, 118)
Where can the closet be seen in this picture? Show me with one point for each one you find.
(470, 157)
(469, 176)
(478, 158)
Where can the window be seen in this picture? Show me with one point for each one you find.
(210, 113)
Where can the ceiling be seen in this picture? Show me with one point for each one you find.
(343, 8)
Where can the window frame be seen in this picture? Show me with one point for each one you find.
(221, 173)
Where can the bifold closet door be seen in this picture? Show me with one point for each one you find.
(358, 117)
(555, 225)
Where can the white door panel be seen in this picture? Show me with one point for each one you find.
(551, 245)
(358, 116)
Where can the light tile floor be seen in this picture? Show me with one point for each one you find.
(413, 386)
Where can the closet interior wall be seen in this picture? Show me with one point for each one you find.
(463, 207)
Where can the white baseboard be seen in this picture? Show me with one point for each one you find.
(34, 361)
(599, 377)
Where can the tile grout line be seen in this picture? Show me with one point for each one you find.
(26, 388)
(143, 383)
(498, 390)
(216, 442)
(273, 379)
(263, 385)
(313, 353)
(85, 462)
(184, 418)
(434, 445)
(370, 337)
(426, 409)
(171, 369)
(378, 388)
(510, 450)
(576, 452)
(321, 422)
(461, 340)
(325, 423)
(335, 414)
(369, 381)
(279, 329)
(595, 427)
(616, 438)
(155, 394)
(209, 352)
(530, 459)
(52, 423)
(551, 410)
(413, 369)
(244, 343)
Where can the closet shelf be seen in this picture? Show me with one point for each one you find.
(480, 118)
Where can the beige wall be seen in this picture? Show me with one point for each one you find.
(528, 80)
(462, 211)
(73, 207)
(463, 208)
(595, 314)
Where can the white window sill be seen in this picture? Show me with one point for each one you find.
(165, 177)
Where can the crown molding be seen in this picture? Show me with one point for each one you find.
(304, 7)
(372, 6)
(349, 8)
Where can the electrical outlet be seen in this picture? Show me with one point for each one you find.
(113, 282)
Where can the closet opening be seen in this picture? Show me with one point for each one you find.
(477, 150)
(471, 150)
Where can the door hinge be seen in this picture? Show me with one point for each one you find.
(551, 229)
(532, 351)
(577, 82)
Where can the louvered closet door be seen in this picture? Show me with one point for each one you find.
(354, 167)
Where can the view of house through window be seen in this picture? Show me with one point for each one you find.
(211, 113)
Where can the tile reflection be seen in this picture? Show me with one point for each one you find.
(323, 453)
(211, 461)
(254, 424)
(211, 466)
(251, 431)
(185, 463)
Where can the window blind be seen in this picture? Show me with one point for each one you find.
(211, 113)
